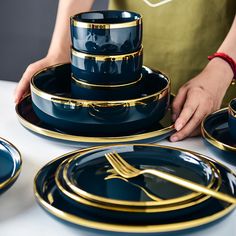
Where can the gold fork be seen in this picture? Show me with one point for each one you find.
(128, 171)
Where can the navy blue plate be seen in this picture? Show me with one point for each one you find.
(86, 176)
(10, 164)
(50, 198)
(29, 119)
(50, 92)
(215, 131)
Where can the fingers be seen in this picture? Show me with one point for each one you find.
(178, 103)
(24, 84)
(192, 128)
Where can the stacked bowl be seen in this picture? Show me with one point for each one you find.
(105, 90)
(106, 55)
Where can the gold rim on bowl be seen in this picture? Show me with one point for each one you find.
(231, 110)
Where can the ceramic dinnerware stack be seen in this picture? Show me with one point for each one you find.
(83, 188)
(105, 91)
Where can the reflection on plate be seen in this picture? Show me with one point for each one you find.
(49, 197)
(85, 175)
(215, 131)
(10, 164)
(28, 119)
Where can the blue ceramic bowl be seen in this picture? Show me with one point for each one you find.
(52, 103)
(106, 32)
(87, 91)
(107, 70)
(232, 118)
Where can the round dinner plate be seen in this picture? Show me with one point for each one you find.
(50, 198)
(215, 131)
(88, 174)
(10, 164)
(28, 119)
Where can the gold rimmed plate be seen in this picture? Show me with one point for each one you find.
(29, 120)
(87, 176)
(215, 131)
(50, 198)
(10, 164)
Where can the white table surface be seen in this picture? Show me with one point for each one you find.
(19, 212)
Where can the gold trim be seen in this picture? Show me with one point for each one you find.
(16, 173)
(86, 139)
(87, 25)
(105, 86)
(102, 200)
(87, 103)
(107, 57)
(132, 228)
(212, 140)
(232, 111)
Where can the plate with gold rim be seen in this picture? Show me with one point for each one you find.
(86, 175)
(215, 131)
(49, 197)
(10, 164)
(29, 120)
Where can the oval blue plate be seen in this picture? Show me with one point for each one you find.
(49, 197)
(10, 164)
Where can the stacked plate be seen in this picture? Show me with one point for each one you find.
(82, 188)
(105, 95)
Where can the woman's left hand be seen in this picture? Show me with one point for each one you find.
(199, 97)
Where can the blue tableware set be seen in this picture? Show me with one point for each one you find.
(106, 96)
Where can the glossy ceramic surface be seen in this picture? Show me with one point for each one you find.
(49, 197)
(86, 175)
(28, 119)
(10, 164)
(50, 91)
(107, 70)
(106, 32)
(215, 130)
(133, 214)
(87, 91)
(232, 119)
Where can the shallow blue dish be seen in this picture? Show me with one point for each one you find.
(215, 131)
(50, 91)
(49, 197)
(10, 164)
(106, 32)
(232, 119)
(29, 119)
(107, 70)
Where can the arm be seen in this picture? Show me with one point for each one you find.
(59, 50)
(204, 93)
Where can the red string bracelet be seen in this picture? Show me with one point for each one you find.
(228, 59)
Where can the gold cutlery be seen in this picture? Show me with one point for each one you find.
(126, 170)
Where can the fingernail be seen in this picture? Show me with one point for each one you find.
(173, 138)
(178, 126)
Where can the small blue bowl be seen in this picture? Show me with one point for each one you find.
(81, 90)
(106, 32)
(107, 70)
(232, 118)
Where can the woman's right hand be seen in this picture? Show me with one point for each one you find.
(23, 86)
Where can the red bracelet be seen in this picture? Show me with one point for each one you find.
(228, 59)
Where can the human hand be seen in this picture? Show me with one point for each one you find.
(199, 97)
(23, 86)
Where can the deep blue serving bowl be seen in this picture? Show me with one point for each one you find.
(232, 118)
(106, 32)
(52, 103)
(107, 70)
(82, 90)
